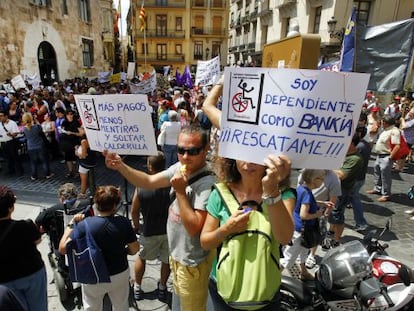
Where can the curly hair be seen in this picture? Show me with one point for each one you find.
(7, 200)
(107, 197)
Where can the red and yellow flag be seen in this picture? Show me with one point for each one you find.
(143, 19)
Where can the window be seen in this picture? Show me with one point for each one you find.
(87, 52)
(144, 48)
(161, 25)
(178, 49)
(215, 49)
(285, 26)
(317, 21)
(198, 50)
(45, 3)
(178, 24)
(65, 10)
(161, 51)
(84, 11)
(107, 20)
(362, 8)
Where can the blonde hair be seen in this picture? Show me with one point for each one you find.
(27, 120)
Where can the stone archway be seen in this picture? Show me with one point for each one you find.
(46, 57)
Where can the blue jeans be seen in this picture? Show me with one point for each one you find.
(170, 153)
(31, 290)
(36, 156)
(356, 203)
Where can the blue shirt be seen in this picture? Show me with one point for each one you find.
(304, 196)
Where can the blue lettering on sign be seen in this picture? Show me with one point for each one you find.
(306, 85)
(277, 120)
(317, 123)
(131, 107)
(106, 107)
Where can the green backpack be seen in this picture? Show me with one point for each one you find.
(248, 274)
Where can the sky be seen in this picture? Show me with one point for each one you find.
(124, 13)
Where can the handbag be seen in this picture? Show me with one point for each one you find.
(311, 235)
(86, 261)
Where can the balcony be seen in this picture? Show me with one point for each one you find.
(154, 57)
(164, 4)
(265, 12)
(207, 31)
(251, 46)
(282, 3)
(245, 19)
(253, 15)
(154, 33)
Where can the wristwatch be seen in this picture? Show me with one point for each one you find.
(271, 200)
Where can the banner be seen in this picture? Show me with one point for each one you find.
(308, 115)
(208, 72)
(131, 70)
(145, 86)
(103, 76)
(115, 78)
(385, 52)
(18, 82)
(118, 123)
(348, 44)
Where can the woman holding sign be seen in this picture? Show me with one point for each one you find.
(257, 189)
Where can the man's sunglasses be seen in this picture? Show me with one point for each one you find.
(191, 151)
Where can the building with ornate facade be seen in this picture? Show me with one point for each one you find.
(56, 39)
(178, 32)
(254, 23)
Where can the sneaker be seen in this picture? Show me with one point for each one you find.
(138, 294)
(409, 211)
(310, 262)
(161, 293)
(50, 176)
(361, 227)
(33, 178)
(326, 244)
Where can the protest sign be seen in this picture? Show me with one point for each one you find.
(308, 115)
(145, 86)
(208, 72)
(131, 70)
(118, 123)
(18, 82)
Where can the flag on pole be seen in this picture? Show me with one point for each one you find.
(142, 18)
(348, 44)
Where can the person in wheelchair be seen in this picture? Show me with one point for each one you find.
(53, 220)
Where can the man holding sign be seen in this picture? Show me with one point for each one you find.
(191, 182)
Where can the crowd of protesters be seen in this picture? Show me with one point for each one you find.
(46, 119)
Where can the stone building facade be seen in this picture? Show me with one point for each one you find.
(56, 39)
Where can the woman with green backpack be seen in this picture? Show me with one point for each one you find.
(246, 221)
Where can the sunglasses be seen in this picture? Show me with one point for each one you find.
(190, 151)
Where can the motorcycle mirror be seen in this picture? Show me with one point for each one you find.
(404, 274)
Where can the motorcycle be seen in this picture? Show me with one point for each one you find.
(384, 267)
(345, 281)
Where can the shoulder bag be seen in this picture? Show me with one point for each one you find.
(86, 261)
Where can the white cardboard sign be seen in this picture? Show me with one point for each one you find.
(119, 123)
(308, 115)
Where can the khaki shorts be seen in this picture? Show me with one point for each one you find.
(191, 283)
(153, 247)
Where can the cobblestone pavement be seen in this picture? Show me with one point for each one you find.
(35, 195)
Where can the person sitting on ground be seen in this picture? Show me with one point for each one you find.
(153, 206)
(22, 268)
(51, 220)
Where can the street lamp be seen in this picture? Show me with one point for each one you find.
(331, 29)
(207, 52)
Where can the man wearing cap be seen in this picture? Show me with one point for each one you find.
(393, 108)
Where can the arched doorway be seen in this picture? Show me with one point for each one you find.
(46, 57)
